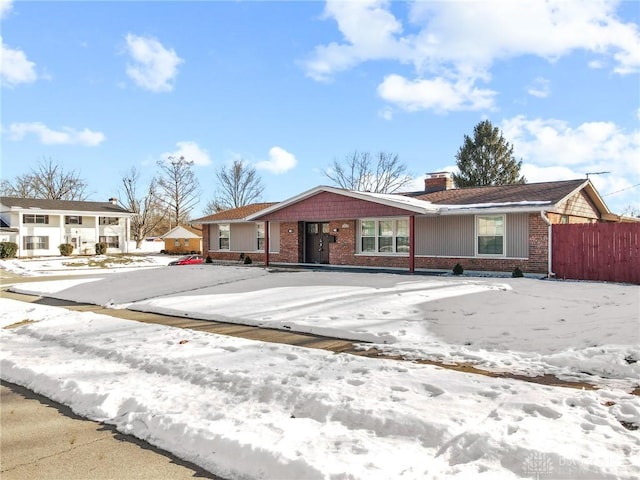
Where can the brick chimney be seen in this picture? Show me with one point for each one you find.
(438, 181)
(113, 201)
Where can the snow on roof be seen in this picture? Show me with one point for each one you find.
(474, 206)
(400, 199)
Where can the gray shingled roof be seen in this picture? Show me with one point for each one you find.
(64, 205)
(551, 192)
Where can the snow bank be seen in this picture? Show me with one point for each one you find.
(245, 409)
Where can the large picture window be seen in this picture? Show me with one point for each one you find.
(36, 243)
(30, 218)
(384, 236)
(224, 235)
(490, 234)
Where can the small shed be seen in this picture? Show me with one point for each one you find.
(183, 239)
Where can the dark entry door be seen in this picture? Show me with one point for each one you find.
(317, 242)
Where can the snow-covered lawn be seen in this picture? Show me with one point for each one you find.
(246, 409)
(582, 331)
(81, 265)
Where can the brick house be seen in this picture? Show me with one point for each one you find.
(494, 228)
(228, 234)
(183, 239)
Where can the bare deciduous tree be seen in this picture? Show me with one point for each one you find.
(148, 214)
(212, 207)
(362, 171)
(49, 181)
(178, 188)
(239, 185)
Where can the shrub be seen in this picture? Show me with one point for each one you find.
(8, 249)
(101, 248)
(247, 260)
(517, 273)
(458, 270)
(66, 249)
(208, 259)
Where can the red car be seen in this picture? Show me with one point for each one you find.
(188, 260)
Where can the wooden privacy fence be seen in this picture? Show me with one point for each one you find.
(607, 252)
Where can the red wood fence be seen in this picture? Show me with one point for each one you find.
(607, 252)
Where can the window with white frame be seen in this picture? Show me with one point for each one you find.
(224, 234)
(31, 218)
(384, 236)
(109, 220)
(36, 243)
(490, 234)
(73, 220)
(260, 235)
(112, 241)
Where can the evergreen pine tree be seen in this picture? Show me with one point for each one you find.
(486, 159)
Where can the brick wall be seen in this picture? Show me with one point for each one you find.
(325, 205)
(205, 239)
(291, 243)
(343, 251)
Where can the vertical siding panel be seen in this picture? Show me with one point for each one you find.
(274, 237)
(243, 237)
(517, 225)
(213, 237)
(450, 236)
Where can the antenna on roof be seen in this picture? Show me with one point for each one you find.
(595, 173)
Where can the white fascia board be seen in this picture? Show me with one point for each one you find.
(237, 220)
(497, 208)
(80, 213)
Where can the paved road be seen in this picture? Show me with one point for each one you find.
(44, 440)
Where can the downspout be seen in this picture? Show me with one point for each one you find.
(546, 220)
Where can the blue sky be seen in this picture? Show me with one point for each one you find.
(289, 86)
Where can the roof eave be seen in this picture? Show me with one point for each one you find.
(447, 210)
(337, 191)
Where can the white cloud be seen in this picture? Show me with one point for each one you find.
(15, 68)
(191, 152)
(280, 161)
(47, 136)
(553, 142)
(155, 67)
(553, 150)
(377, 40)
(5, 8)
(437, 94)
(460, 41)
(540, 87)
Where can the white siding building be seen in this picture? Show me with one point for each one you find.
(39, 226)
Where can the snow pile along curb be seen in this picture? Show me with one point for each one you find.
(255, 410)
